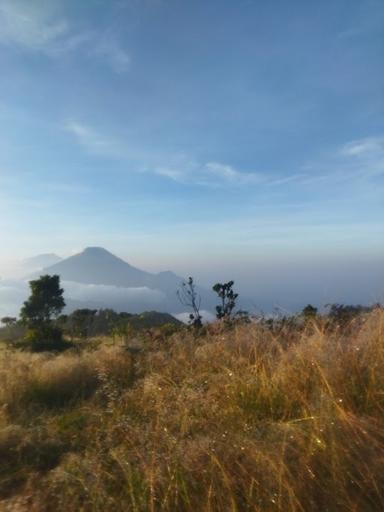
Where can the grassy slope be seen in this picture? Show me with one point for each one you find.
(239, 420)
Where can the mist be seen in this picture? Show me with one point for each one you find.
(291, 283)
(14, 292)
(284, 282)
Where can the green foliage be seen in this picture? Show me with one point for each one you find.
(88, 323)
(45, 303)
(309, 312)
(341, 315)
(45, 337)
(242, 317)
(123, 330)
(8, 321)
(189, 297)
(228, 300)
(81, 322)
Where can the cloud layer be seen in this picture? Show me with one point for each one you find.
(14, 292)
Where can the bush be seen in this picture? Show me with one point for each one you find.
(45, 338)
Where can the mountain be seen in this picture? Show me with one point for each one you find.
(99, 277)
(96, 265)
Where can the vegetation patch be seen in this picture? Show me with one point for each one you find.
(234, 416)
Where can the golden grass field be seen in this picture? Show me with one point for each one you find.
(240, 419)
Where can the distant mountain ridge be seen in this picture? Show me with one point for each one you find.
(18, 269)
(41, 261)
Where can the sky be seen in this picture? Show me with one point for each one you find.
(220, 138)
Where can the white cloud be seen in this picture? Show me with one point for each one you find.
(356, 162)
(29, 25)
(93, 141)
(228, 173)
(366, 147)
(38, 26)
(207, 316)
(353, 160)
(107, 295)
(361, 159)
(14, 292)
(180, 169)
(223, 171)
(173, 174)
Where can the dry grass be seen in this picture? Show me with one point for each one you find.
(238, 420)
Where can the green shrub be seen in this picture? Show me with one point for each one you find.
(45, 338)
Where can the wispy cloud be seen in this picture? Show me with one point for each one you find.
(37, 26)
(94, 142)
(210, 174)
(231, 175)
(361, 159)
(354, 160)
(299, 177)
(118, 58)
(180, 169)
(173, 174)
(369, 147)
(354, 163)
(28, 26)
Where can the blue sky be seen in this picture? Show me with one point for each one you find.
(201, 136)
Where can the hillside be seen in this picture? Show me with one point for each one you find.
(240, 418)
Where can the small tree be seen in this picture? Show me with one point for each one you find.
(228, 300)
(81, 321)
(189, 297)
(309, 312)
(45, 302)
(38, 312)
(8, 321)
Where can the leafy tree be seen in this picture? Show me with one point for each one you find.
(45, 302)
(189, 297)
(9, 331)
(228, 300)
(8, 321)
(38, 312)
(82, 320)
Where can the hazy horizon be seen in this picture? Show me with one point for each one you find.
(284, 283)
(225, 140)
